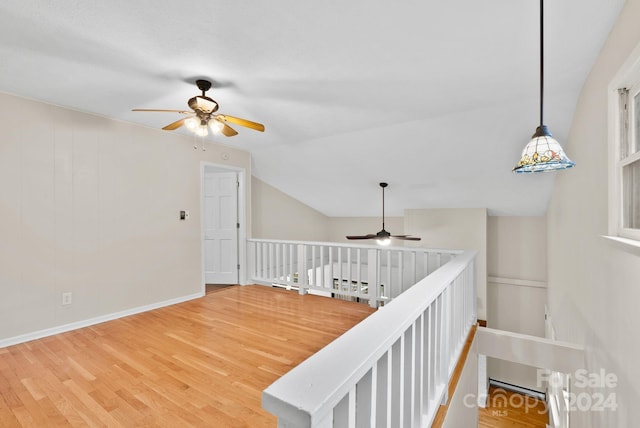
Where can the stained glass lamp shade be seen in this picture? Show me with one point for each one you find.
(543, 154)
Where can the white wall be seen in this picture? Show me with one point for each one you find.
(456, 228)
(516, 287)
(90, 205)
(276, 215)
(463, 409)
(594, 284)
(517, 247)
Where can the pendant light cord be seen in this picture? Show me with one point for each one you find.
(541, 62)
(383, 208)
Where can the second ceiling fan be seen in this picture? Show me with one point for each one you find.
(383, 237)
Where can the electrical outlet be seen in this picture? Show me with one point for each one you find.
(67, 298)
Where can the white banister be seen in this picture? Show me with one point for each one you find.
(392, 369)
(360, 272)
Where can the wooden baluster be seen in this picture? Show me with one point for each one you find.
(285, 269)
(331, 276)
(340, 277)
(390, 391)
(445, 339)
(432, 354)
(438, 342)
(276, 263)
(373, 398)
(372, 277)
(313, 278)
(402, 379)
(292, 270)
(265, 261)
(349, 284)
(352, 408)
(359, 274)
(302, 269)
(416, 377)
(424, 388)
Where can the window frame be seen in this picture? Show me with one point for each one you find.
(627, 77)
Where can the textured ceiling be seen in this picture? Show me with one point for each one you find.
(436, 98)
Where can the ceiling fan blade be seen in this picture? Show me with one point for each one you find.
(242, 122)
(362, 237)
(228, 131)
(406, 238)
(175, 125)
(164, 111)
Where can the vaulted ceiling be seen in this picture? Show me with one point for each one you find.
(438, 98)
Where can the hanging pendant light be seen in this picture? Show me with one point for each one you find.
(543, 153)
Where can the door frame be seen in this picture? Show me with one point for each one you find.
(242, 219)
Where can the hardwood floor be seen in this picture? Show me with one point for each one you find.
(509, 409)
(200, 363)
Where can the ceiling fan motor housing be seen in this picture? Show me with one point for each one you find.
(383, 234)
(203, 85)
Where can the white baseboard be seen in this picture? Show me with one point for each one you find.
(519, 389)
(92, 321)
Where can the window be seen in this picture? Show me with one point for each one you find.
(624, 150)
(629, 162)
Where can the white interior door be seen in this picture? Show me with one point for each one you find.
(221, 227)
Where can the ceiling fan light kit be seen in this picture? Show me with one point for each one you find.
(202, 117)
(543, 153)
(383, 237)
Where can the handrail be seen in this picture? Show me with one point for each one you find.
(419, 335)
(349, 245)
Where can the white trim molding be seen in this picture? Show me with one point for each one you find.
(517, 282)
(92, 321)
